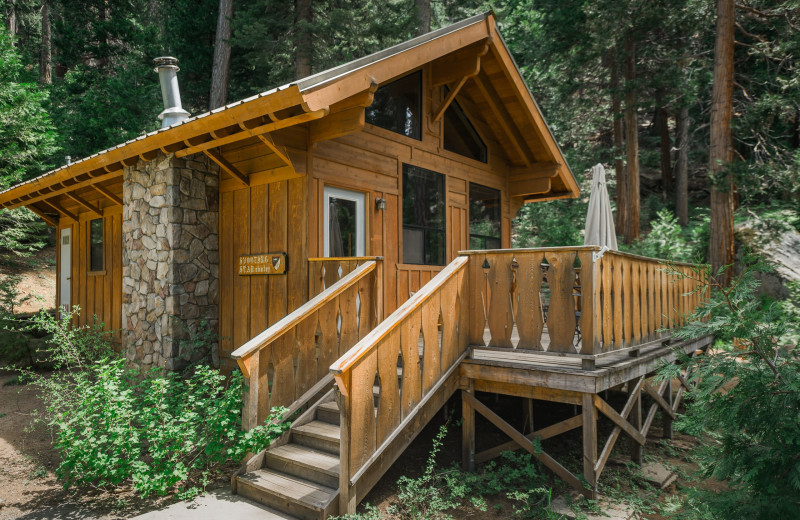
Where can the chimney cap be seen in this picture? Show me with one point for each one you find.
(166, 61)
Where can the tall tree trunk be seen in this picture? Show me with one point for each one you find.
(632, 143)
(302, 30)
(682, 166)
(662, 125)
(423, 15)
(222, 56)
(619, 164)
(45, 71)
(720, 251)
(11, 18)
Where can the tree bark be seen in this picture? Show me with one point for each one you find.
(632, 143)
(45, 70)
(11, 18)
(424, 16)
(682, 167)
(302, 30)
(662, 125)
(617, 131)
(222, 56)
(721, 246)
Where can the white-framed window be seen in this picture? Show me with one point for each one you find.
(344, 222)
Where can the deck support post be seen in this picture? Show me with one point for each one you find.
(590, 445)
(667, 434)
(467, 431)
(527, 413)
(347, 493)
(636, 421)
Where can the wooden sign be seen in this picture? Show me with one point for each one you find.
(268, 263)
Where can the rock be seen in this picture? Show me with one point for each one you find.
(658, 475)
(609, 510)
(781, 249)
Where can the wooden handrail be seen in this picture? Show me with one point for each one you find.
(371, 340)
(266, 337)
(648, 258)
(344, 258)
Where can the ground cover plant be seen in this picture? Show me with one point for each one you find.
(158, 432)
(746, 400)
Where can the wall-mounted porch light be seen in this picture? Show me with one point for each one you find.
(380, 203)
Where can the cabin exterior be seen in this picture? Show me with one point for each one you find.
(355, 227)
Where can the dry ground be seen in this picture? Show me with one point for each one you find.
(38, 279)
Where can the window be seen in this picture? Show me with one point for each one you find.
(96, 245)
(460, 136)
(423, 216)
(397, 106)
(344, 216)
(484, 217)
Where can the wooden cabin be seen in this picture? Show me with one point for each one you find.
(355, 226)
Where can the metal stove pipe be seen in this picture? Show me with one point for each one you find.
(173, 113)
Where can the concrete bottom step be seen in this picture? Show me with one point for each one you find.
(289, 494)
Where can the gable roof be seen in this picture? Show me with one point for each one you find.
(495, 86)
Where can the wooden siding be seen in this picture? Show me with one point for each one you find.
(260, 219)
(99, 294)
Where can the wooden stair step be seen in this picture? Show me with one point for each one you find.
(289, 494)
(329, 412)
(318, 435)
(314, 465)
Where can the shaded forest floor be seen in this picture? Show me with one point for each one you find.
(38, 274)
(29, 489)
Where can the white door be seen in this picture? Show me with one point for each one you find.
(344, 217)
(65, 263)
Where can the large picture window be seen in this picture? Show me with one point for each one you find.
(397, 106)
(96, 245)
(484, 217)
(423, 216)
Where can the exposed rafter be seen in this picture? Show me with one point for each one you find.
(80, 200)
(108, 194)
(245, 134)
(280, 151)
(227, 167)
(42, 194)
(47, 218)
(58, 209)
(504, 119)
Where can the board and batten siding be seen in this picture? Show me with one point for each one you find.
(267, 218)
(98, 294)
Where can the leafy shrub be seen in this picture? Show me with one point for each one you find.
(745, 405)
(665, 239)
(158, 432)
(437, 490)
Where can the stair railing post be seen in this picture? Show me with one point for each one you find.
(347, 494)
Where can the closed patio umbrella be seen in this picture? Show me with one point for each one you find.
(599, 219)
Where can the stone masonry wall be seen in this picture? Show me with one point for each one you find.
(170, 260)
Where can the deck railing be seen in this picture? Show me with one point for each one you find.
(324, 272)
(287, 364)
(399, 365)
(574, 300)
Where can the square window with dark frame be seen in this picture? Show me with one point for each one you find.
(397, 106)
(423, 216)
(484, 217)
(96, 245)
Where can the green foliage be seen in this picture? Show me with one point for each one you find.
(159, 432)
(746, 399)
(438, 490)
(22, 232)
(27, 137)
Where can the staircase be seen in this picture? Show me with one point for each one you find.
(391, 377)
(300, 473)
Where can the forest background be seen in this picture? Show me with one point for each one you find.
(628, 83)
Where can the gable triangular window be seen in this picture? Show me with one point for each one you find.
(460, 136)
